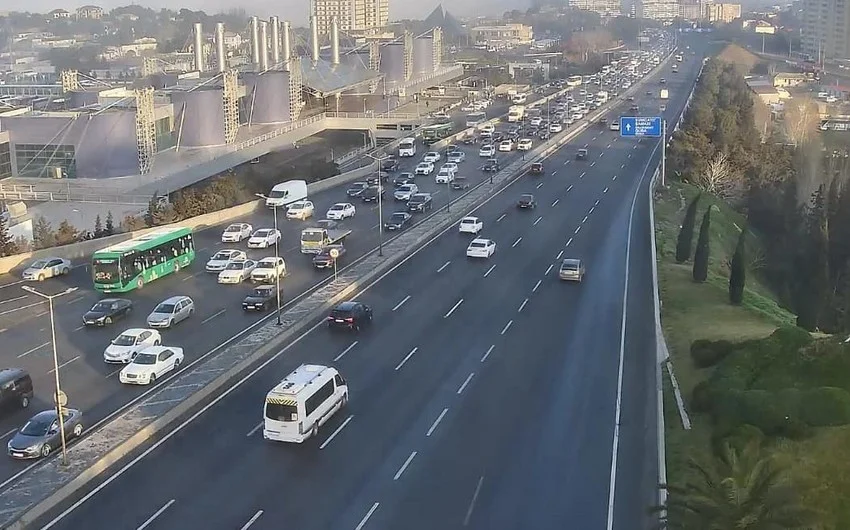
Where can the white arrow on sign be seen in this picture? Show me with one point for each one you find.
(628, 127)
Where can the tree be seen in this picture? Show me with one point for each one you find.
(735, 489)
(66, 233)
(132, 223)
(720, 177)
(738, 271)
(7, 244)
(109, 229)
(801, 117)
(42, 234)
(98, 226)
(700, 270)
(153, 210)
(686, 233)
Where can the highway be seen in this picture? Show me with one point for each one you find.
(93, 386)
(485, 396)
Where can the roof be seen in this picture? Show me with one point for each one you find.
(298, 380)
(327, 79)
(763, 90)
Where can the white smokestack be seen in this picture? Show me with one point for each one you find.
(255, 41)
(264, 46)
(199, 47)
(220, 55)
(275, 24)
(335, 41)
(287, 45)
(314, 38)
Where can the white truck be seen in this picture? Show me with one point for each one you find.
(407, 147)
(664, 93)
(516, 113)
(313, 240)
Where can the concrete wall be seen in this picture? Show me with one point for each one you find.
(199, 117)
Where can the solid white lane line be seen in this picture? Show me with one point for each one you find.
(516, 242)
(487, 354)
(40, 346)
(472, 502)
(6, 312)
(63, 365)
(404, 466)
(398, 305)
(615, 177)
(367, 516)
(204, 321)
(436, 422)
(156, 514)
(350, 347)
(536, 285)
(555, 203)
(539, 185)
(463, 386)
(493, 266)
(501, 217)
(584, 220)
(537, 220)
(569, 242)
(548, 270)
(522, 306)
(409, 355)
(605, 190)
(254, 430)
(507, 327)
(560, 253)
(583, 173)
(452, 310)
(570, 187)
(15, 299)
(252, 520)
(336, 432)
(446, 264)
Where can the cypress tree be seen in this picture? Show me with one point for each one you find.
(738, 272)
(700, 271)
(686, 233)
(109, 228)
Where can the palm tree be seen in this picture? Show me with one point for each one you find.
(736, 490)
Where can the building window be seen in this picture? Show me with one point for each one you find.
(5, 161)
(35, 160)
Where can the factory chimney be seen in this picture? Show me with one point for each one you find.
(220, 55)
(264, 45)
(199, 47)
(255, 41)
(287, 46)
(275, 24)
(335, 41)
(314, 38)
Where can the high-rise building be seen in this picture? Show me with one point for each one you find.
(826, 29)
(663, 10)
(722, 12)
(355, 16)
(603, 7)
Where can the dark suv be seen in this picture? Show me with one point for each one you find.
(352, 316)
(16, 388)
(420, 202)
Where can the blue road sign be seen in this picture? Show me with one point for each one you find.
(640, 126)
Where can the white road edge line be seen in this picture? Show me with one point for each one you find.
(403, 467)
(466, 382)
(436, 422)
(472, 502)
(452, 310)
(409, 355)
(366, 517)
(336, 432)
(398, 305)
(489, 351)
(252, 520)
(156, 514)
(341, 355)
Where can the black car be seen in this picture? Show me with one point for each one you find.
(356, 189)
(491, 166)
(398, 221)
(631, 98)
(374, 180)
(526, 200)
(107, 311)
(498, 137)
(389, 164)
(581, 154)
(537, 169)
(420, 202)
(460, 183)
(634, 108)
(352, 316)
(260, 298)
(603, 121)
(371, 193)
(16, 388)
(471, 139)
(324, 259)
(403, 178)
(544, 134)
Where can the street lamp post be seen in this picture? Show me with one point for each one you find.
(276, 258)
(380, 160)
(60, 402)
(448, 187)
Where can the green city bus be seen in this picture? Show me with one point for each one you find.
(434, 133)
(131, 264)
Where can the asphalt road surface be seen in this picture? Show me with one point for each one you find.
(485, 395)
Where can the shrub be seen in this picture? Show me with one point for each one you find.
(706, 353)
(702, 397)
(738, 437)
(826, 406)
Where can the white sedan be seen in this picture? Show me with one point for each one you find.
(264, 238)
(487, 151)
(150, 364)
(125, 346)
(470, 225)
(237, 271)
(555, 128)
(431, 156)
(220, 259)
(481, 248)
(451, 166)
(444, 176)
(341, 211)
(236, 232)
(506, 146)
(424, 168)
(47, 268)
(268, 270)
(300, 210)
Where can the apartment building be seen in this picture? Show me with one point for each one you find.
(825, 29)
(503, 34)
(355, 16)
(663, 10)
(603, 7)
(722, 12)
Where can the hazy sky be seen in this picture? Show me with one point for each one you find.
(294, 10)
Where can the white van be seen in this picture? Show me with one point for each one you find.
(407, 147)
(286, 193)
(303, 402)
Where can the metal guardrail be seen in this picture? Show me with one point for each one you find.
(65, 196)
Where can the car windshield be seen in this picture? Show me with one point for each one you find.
(417, 198)
(164, 308)
(262, 233)
(36, 427)
(124, 340)
(406, 187)
(145, 358)
(468, 222)
(236, 266)
(337, 207)
(223, 255)
(526, 198)
(398, 217)
(106, 270)
(312, 235)
(40, 264)
(266, 264)
(476, 244)
(277, 412)
(102, 307)
(261, 292)
(233, 228)
(298, 206)
(569, 266)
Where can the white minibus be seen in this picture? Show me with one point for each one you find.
(286, 193)
(407, 147)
